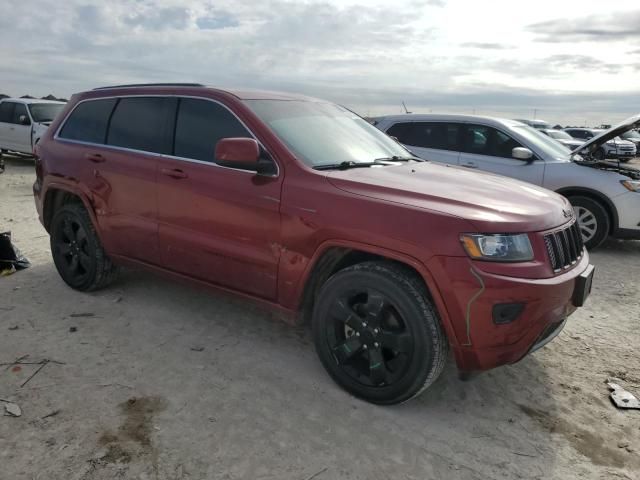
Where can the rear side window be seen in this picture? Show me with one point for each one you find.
(438, 135)
(199, 126)
(400, 131)
(141, 123)
(88, 121)
(6, 111)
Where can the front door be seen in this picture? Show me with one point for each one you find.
(218, 224)
(489, 149)
(14, 135)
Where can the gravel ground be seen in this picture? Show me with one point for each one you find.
(157, 380)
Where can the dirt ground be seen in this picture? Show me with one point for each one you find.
(151, 379)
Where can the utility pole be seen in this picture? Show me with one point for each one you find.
(535, 112)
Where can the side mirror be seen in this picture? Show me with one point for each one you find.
(24, 120)
(522, 153)
(241, 153)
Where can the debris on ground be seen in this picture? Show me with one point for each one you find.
(85, 314)
(197, 348)
(12, 409)
(621, 398)
(11, 259)
(73, 329)
(52, 414)
(15, 327)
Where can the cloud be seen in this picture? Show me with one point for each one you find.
(155, 18)
(601, 27)
(486, 46)
(217, 20)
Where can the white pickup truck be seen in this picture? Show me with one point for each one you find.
(23, 121)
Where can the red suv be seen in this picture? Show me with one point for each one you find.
(303, 205)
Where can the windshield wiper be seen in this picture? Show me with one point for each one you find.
(396, 158)
(346, 165)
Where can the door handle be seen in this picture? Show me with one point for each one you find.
(95, 157)
(469, 165)
(173, 172)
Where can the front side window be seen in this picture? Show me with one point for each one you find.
(6, 111)
(20, 111)
(199, 126)
(142, 123)
(559, 135)
(483, 140)
(321, 133)
(88, 121)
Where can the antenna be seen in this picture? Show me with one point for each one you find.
(405, 108)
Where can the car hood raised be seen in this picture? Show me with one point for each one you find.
(593, 144)
(492, 203)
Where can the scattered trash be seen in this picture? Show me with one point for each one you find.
(621, 398)
(16, 369)
(78, 315)
(623, 444)
(12, 409)
(73, 329)
(117, 300)
(42, 365)
(11, 260)
(15, 327)
(197, 348)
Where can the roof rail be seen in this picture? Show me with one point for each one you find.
(152, 85)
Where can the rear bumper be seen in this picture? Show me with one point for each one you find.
(470, 296)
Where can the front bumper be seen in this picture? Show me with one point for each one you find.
(470, 295)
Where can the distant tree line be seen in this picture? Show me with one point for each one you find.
(48, 97)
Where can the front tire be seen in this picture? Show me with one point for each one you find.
(377, 333)
(599, 154)
(593, 220)
(77, 252)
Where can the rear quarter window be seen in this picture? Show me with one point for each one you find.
(88, 121)
(6, 111)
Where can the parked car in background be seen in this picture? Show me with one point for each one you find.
(617, 148)
(537, 124)
(563, 137)
(305, 206)
(632, 136)
(23, 121)
(605, 196)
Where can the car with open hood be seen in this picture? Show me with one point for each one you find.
(616, 147)
(605, 195)
(301, 205)
(23, 121)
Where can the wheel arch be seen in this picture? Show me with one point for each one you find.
(597, 196)
(58, 195)
(332, 257)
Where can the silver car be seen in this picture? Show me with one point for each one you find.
(614, 148)
(605, 195)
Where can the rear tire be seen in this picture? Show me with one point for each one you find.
(77, 252)
(377, 333)
(593, 220)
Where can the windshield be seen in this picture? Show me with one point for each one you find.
(541, 141)
(559, 135)
(631, 135)
(45, 112)
(324, 133)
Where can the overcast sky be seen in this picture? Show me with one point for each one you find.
(573, 61)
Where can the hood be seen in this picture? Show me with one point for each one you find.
(492, 203)
(593, 144)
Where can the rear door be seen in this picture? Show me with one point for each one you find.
(218, 224)
(115, 143)
(489, 149)
(6, 124)
(435, 141)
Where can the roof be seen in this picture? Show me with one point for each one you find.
(445, 117)
(243, 94)
(29, 100)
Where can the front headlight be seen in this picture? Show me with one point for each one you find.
(632, 185)
(498, 248)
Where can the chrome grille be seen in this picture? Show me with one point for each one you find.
(565, 247)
